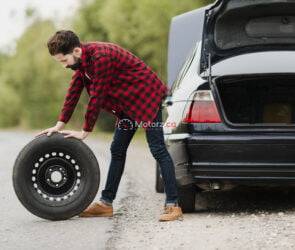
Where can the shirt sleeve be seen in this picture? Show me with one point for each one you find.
(102, 75)
(72, 97)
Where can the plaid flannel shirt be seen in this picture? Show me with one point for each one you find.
(117, 81)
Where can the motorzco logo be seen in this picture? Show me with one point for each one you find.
(127, 124)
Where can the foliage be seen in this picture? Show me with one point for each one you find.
(33, 85)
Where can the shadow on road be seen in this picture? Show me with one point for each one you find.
(247, 199)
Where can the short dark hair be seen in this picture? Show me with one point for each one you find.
(63, 41)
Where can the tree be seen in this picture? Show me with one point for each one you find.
(38, 81)
(140, 26)
(33, 85)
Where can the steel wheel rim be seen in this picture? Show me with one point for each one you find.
(56, 176)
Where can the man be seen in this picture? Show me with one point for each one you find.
(122, 84)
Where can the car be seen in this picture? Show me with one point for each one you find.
(231, 72)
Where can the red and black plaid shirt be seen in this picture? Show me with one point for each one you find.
(117, 81)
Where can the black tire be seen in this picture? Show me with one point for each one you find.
(159, 180)
(56, 178)
(187, 198)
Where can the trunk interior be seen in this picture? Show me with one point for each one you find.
(240, 23)
(259, 100)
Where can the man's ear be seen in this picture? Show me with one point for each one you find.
(77, 52)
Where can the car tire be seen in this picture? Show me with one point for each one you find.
(159, 180)
(56, 178)
(187, 198)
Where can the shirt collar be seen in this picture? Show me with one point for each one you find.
(84, 55)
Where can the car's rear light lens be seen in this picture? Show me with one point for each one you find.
(203, 109)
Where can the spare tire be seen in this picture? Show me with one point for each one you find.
(56, 178)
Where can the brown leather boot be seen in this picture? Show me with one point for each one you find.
(171, 213)
(97, 210)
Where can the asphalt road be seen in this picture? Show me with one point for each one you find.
(245, 218)
(19, 229)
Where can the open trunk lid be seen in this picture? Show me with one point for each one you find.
(234, 27)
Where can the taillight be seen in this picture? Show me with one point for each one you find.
(203, 109)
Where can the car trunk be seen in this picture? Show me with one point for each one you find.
(234, 27)
(257, 100)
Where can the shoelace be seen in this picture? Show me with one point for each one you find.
(167, 209)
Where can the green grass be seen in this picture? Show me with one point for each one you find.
(139, 136)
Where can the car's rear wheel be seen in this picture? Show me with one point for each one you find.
(187, 198)
(56, 178)
(159, 180)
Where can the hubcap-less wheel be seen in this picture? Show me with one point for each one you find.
(56, 178)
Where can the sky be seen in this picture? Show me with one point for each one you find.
(13, 18)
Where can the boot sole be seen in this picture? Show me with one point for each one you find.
(96, 215)
(180, 218)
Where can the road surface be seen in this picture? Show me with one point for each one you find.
(239, 219)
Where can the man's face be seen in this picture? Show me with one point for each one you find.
(68, 60)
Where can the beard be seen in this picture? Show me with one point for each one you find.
(76, 65)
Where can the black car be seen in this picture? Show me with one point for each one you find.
(231, 114)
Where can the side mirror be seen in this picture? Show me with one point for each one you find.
(168, 101)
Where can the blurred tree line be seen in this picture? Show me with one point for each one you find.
(33, 85)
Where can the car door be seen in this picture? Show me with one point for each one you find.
(185, 31)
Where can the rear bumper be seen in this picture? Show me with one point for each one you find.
(242, 157)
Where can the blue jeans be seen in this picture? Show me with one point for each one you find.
(124, 132)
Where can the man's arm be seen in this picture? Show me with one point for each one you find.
(72, 97)
(102, 75)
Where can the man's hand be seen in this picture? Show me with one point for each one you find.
(81, 135)
(59, 126)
